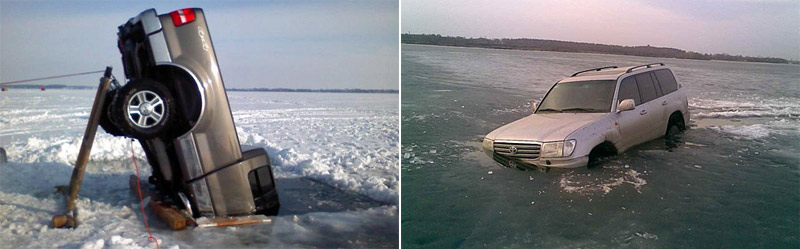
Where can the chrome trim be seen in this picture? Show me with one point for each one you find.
(518, 142)
(189, 156)
(150, 21)
(145, 109)
(186, 203)
(158, 44)
(202, 197)
(200, 88)
(516, 150)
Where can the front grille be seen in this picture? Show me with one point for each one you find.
(521, 150)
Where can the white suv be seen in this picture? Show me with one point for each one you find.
(593, 113)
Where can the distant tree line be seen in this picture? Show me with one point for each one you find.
(348, 90)
(580, 47)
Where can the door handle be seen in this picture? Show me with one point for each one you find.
(664, 103)
(643, 112)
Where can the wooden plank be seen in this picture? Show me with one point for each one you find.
(169, 215)
(233, 221)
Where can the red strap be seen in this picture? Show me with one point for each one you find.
(150, 237)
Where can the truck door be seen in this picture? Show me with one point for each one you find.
(652, 110)
(631, 124)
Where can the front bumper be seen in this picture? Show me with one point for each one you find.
(562, 162)
(525, 163)
(575, 162)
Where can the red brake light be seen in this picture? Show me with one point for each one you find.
(181, 17)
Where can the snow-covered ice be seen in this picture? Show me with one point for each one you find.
(335, 156)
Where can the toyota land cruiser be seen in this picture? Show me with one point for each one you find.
(591, 114)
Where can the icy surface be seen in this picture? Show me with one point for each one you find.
(335, 156)
(741, 149)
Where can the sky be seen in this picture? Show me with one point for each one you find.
(747, 27)
(283, 44)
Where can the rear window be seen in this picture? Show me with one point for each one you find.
(629, 90)
(666, 80)
(646, 88)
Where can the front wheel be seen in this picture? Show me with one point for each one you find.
(146, 107)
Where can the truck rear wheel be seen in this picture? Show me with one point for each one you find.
(146, 108)
(675, 125)
(105, 115)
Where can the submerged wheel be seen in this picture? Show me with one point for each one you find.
(672, 130)
(675, 125)
(600, 153)
(145, 107)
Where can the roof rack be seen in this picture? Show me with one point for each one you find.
(593, 69)
(646, 65)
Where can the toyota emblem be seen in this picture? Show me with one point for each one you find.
(513, 150)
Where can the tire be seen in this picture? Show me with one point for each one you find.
(600, 154)
(674, 126)
(672, 130)
(145, 108)
(105, 113)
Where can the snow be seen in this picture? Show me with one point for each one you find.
(744, 108)
(759, 131)
(572, 182)
(335, 156)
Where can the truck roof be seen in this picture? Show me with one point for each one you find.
(607, 73)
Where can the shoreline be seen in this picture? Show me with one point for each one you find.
(598, 53)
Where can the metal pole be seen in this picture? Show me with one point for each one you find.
(83, 155)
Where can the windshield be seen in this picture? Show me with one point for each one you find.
(579, 96)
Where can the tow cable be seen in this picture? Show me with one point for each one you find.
(150, 237)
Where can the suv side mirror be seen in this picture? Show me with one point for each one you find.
(533, 106)
(626, 105)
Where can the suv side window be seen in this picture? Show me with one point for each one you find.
(666, 80)
(629, 90)
(655, 82)
(646, 88)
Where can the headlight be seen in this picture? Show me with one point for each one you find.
(569, 146)
(488, 145)
(558, 149)
(553, 149)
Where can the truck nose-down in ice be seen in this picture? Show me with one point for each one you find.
(174, 103)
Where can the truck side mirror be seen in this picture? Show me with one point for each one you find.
(533, 106)
(626, 105)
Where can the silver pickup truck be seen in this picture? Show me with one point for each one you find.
(594, 113)
(174, 102)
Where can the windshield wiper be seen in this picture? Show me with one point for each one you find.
(580, 109)
(550, 110)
